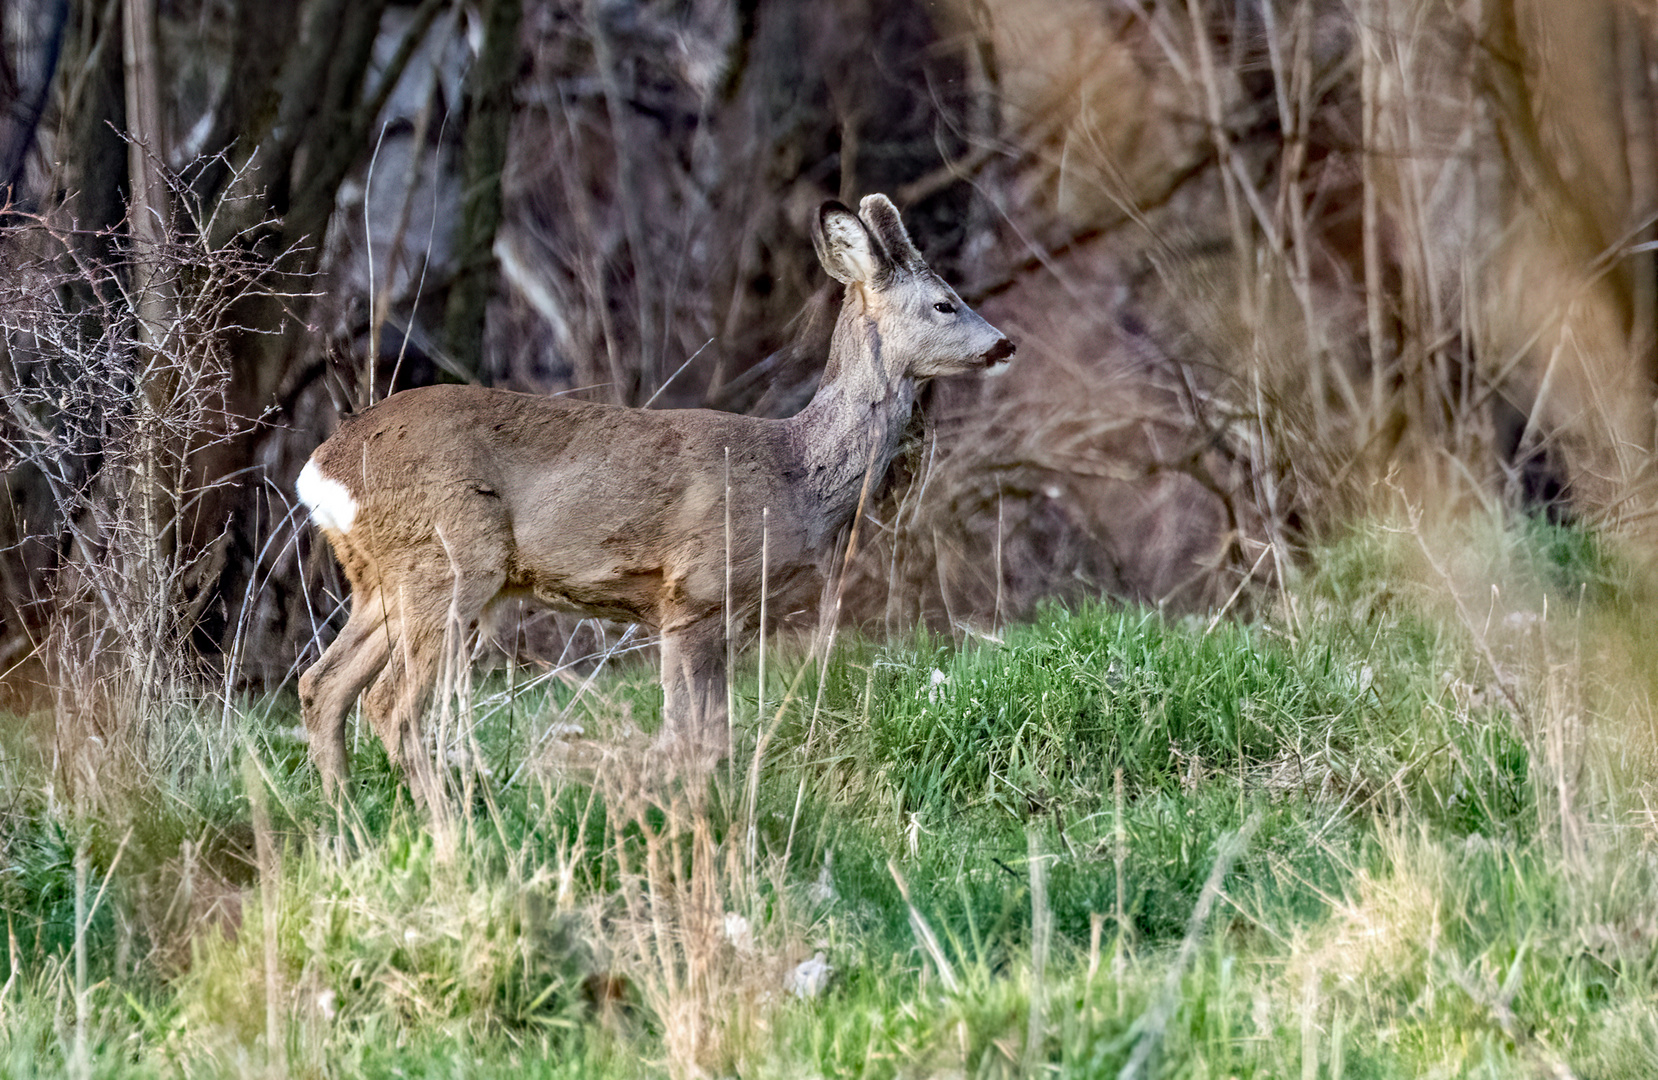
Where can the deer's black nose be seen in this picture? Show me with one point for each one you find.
(999, 352)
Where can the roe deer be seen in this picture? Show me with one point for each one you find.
(443, 499)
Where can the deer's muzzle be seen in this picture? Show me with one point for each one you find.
(997, 356)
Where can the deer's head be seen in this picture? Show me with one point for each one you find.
(921, 321)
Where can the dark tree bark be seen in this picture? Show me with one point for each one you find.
(25, 93)
(91, 181)
(93, 160)
(488, 121)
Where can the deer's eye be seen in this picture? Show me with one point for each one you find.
(944, 307)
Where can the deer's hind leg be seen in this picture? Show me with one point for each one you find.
(328, 687)
(429, 617)
(399, 697)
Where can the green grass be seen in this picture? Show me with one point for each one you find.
(1437, 882)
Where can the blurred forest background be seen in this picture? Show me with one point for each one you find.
(1272, 265)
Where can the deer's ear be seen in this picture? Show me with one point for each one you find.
(882, 218)
(844, 245)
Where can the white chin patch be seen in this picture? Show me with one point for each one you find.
(997, 369)
(331, 505)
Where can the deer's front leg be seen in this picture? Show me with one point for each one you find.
(694, 718)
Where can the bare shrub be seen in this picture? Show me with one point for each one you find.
(113, 378)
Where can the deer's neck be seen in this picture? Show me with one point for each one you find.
(856, 419)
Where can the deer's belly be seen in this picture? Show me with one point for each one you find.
(633, 597)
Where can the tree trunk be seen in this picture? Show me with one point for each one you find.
(488, 120)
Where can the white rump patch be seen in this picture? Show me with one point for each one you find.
(330, 503)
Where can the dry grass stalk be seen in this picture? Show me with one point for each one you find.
(704, 930)
(1153, 1023)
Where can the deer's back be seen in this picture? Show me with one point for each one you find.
(592, 507)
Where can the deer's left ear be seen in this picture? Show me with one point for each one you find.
(844, 245)
(882, 218)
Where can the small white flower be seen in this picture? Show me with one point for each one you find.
(738, 932)
(822, 891)
(810, 977)
(934, 681)
(1260, 1012)
(912, 832)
